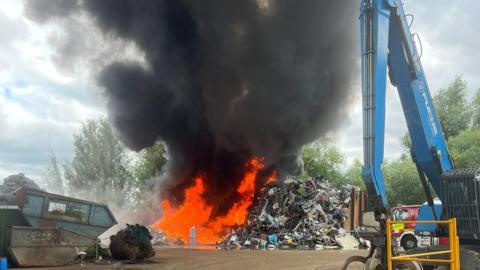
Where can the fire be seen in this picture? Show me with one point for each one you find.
(272, 178)
(195, 211)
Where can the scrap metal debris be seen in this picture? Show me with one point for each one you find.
(132, 243)
(11, 184)
(300, 214)
(348, 241)
(159, 238)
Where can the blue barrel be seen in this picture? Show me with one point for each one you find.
(3, 263)
(273, 239)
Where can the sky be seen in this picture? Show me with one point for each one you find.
(42, 105)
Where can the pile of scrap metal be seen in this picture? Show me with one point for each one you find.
(295, 214)
(45, 229)
(132, 243)
(159, 238)
(11, 184)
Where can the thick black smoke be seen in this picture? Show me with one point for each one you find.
(225, 80)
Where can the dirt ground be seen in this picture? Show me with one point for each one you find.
(186, 259)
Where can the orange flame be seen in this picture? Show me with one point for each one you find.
(195, 211)
(272, 178)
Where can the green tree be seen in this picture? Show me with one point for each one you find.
(150, 162)
(406, 144)
(53, 176)
(476, 109)
(465, 148)
(402, 182)
(353, 175)
(149, 165)
(323, 159)
(452, 108)
(99, 169)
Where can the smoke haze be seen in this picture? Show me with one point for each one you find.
(222, 80)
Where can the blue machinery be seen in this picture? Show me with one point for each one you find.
(386, 42)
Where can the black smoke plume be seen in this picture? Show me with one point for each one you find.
(225, 80)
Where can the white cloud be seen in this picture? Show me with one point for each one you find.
(11, 8)
(41, 63)
(40, 107)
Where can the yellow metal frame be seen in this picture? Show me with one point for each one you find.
(454, 249)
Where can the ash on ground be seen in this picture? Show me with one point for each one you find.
(296, 214)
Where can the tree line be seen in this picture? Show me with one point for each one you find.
(459, 117)
(105, 171)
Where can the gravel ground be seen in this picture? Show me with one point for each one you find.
(233, 259)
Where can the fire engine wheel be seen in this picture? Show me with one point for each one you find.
(408, 242)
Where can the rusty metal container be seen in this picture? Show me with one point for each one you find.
(43, 209)
(46, 229)
(46, 246)
(10, 215)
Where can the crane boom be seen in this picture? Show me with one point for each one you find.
(386, 41)
(388, 47)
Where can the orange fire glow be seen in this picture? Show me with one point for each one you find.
(272, 178)
(196, 211)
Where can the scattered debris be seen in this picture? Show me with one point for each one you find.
(132, 243)
(347, 241)
(11, 184)
(296, 214)
(159, 238)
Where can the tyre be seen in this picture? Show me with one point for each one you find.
(352, 260)
(469, 259)
(408, 241)
(407, 266)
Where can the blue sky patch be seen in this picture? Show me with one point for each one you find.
(7, 92)
(20, 83)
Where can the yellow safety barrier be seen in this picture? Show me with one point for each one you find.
(454, 249)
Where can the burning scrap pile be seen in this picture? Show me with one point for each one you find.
(294, 214)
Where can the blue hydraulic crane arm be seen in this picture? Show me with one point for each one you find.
(386, 40)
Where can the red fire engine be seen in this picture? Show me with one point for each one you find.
(405, 233)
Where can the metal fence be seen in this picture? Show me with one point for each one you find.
(460, 188)
(453, 249)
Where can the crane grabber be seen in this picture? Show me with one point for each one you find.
(388, 48)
